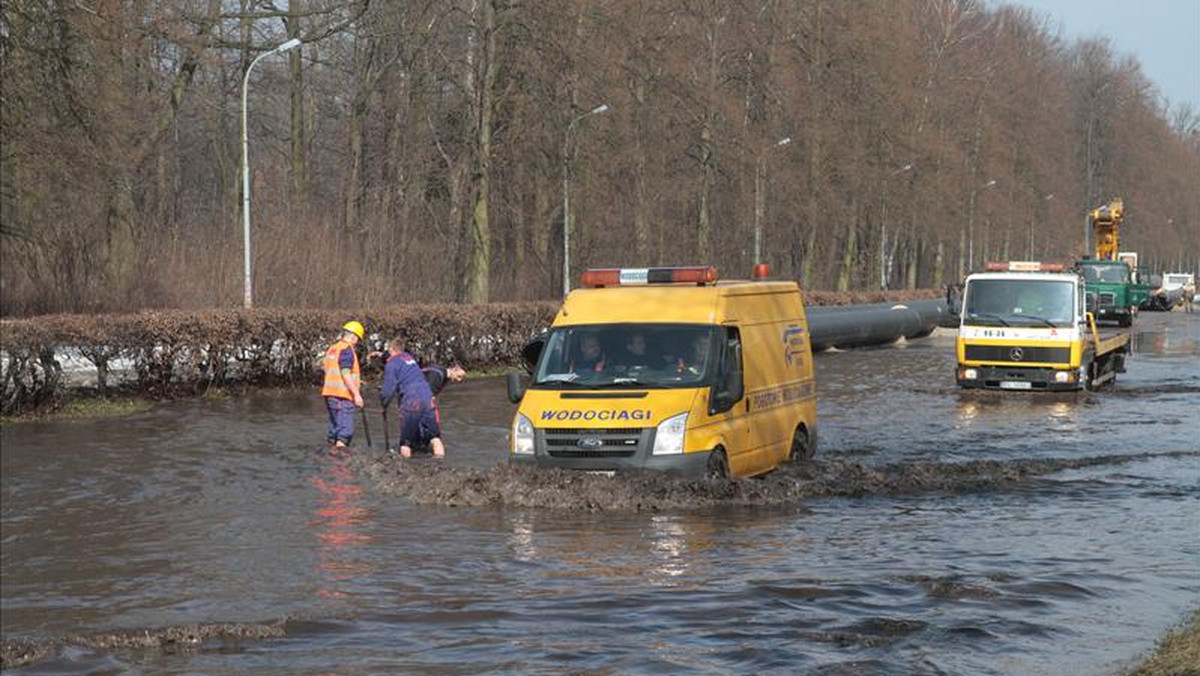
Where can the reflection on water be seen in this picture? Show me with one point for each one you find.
(520, 539)
(668, 545)
(339, 523)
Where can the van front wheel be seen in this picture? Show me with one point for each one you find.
(718, 465)
(801, 446)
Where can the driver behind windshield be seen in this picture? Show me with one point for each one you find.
(591, 356)
(636, 356)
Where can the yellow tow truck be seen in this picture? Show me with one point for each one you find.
(1027, 325)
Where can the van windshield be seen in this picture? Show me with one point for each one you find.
(626, 356)
(1013, 302)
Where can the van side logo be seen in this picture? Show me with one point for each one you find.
(793, 344)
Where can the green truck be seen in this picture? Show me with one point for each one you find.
(1116, 297)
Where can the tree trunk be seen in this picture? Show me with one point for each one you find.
(641, 210)
(938, 263)
(914, 258)
(849, 255)
(480, 242)
(120, 237)
(703, 220)
(814, 150)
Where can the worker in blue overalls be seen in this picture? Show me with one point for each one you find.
(420, 423)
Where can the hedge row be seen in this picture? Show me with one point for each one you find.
(181, 352)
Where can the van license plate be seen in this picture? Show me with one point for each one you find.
(1015, 385)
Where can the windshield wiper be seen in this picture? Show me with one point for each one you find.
(557, 384)
(1045, 321)
(626, 382)
(988, 315)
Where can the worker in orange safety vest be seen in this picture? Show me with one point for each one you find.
(342, 384)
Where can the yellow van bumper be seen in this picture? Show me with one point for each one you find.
(600, 450)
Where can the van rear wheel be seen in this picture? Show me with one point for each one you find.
(718, 465)
(801, 446)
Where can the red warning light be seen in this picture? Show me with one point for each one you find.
(697, 274)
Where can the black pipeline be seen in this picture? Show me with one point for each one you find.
(848, 326)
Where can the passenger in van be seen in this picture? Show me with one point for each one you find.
(694, 363)
(636, 355)
(591, 355)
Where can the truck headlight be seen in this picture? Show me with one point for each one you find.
(970, 374)
(669, 437)
(522, 436)
(1062, 376)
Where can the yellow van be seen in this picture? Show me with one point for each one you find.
(669, 369)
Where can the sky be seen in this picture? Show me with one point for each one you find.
(1164, 35)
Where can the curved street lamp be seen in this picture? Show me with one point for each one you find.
(247, 298)
(566, 172)
(760, 179)
(885, 260)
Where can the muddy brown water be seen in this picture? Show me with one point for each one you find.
(938, 533)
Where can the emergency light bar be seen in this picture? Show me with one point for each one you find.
(697, 274)
(1024, 266)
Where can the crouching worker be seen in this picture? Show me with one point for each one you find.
(403, 378)
(341, 386)
(437, 377)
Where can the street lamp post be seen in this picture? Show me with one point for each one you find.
(883, 257)
(566, 172)
(248, 297)
(760, 197)
(971, 224)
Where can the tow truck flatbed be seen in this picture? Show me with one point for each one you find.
(1109, 342)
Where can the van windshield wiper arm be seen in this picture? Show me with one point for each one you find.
(626, 382)
(559, 384)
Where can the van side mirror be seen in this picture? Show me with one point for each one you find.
(725, 395)
(532, 351)
(516, 387)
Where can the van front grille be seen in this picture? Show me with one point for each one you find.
(592, 443)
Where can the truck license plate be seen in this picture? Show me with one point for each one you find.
(1015, 385)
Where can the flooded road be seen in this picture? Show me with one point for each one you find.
(939, 532)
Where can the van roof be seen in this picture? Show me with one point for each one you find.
(660, 303)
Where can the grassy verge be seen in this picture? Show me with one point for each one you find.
(1177, 653)
(89, 407)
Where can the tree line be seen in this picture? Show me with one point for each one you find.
(434, 150)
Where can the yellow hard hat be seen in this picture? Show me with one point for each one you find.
(354, 327)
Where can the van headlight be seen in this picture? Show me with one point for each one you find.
(668, 438)
(522, 436)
